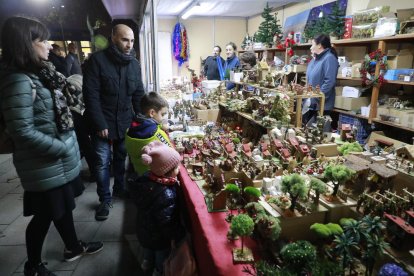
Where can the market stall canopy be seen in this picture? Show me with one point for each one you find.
(233, 8)
(126, 9)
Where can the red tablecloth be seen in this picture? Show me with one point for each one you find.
(213, 251)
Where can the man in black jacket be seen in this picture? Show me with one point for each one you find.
(112, 87)
(55, 57)
(213, 65)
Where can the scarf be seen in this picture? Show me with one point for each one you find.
(62, 95)
(168, 181)
(120, 57)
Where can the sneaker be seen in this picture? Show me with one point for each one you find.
(146, 265)
(87, 249)
(39, 270)
(102, 211)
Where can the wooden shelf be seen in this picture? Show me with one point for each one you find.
(304, 45)
(376, 120)
(399, 82)
(350, 113)
(373, 40)
(348, 78)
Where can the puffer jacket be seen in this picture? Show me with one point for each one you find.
(158, 220)
(43, 157)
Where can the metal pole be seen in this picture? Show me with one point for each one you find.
(154, 40)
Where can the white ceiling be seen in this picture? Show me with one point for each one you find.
(234, 8)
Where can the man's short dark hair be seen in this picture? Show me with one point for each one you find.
(55, 46)
(218, 48)
(152, 100)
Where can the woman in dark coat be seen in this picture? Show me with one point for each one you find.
(46, 154)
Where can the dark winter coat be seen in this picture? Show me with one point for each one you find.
(158, 220)
(59, 63)
(211, 70)
(73, 65)
(111, 90)
(43, 157)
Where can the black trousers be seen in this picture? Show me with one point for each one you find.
(36, 232)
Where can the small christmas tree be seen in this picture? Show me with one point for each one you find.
(336, 21)
(269, 27)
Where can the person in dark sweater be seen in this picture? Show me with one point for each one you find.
(213, 65)
(322, 71)
(155, 195)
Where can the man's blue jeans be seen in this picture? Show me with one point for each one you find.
(103, 166)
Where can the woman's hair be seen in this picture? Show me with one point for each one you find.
(248, 57)
(17, 36)
(152, 100)
(218, 48)
(233, 45)
(325, 41)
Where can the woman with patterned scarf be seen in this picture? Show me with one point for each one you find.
(35, 106)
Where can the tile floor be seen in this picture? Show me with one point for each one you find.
(121, 249)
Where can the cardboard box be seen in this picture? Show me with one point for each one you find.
(407, 119)
(350, 103)
(404, 59)
(351, 92)
(208, 115)
(299, 68)
(328, 150)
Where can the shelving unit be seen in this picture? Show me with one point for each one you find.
(380, 43)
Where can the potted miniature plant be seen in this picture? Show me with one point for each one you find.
(338, 174)
(233, 195)
(294, 185)
(299, 256)
(319, 187)
(242, 225)
(345, 244)
(252, 194)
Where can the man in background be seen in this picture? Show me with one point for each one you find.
(73, 65)
(55, 57)
(213, 65)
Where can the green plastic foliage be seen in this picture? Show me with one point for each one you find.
(335, 228)
(232, 188)
(350, 147)
(254, 209)
(317, 185)
(294, 184)
(242, 225)
(298, 255)
(252, 191)
(269, 227)
(338, 173)
(321, 230)
(346, 221)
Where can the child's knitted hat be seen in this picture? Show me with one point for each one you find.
(160, 157)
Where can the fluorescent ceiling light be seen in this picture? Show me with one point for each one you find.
(190, 10)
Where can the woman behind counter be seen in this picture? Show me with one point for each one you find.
(231, 63)
(322, 71)
(46, 153)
